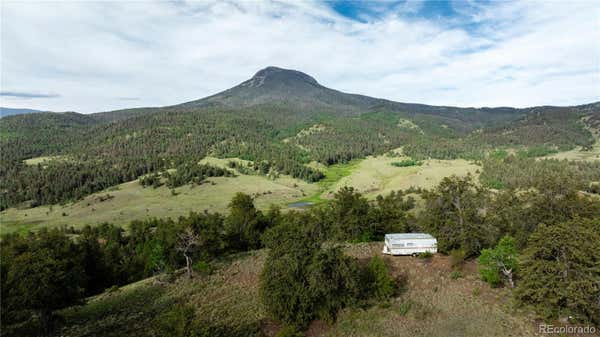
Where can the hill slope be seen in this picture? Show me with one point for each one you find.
(434, 304)
(281, 118)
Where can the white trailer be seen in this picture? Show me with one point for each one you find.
(409, 244)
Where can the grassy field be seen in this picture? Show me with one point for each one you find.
(130, 201)
(377, 175)
(433, 304)
(579, 154)
(44, 159)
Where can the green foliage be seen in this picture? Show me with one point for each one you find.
(376, 280)
(146, 141)
(203, 268)
(177, 322)
(457, 258)
(560, 270)
(40, 273)
(407, 163)
(289, 331)
(498, 154)
(152, 179)
(302, 280)
(499, 262)
(524, 172)
(349, 211)
(453, 215)
(425, 255)
(455, 275)
(518, 214)
(537, 151)
(245, 224)
(391, 214)
(194, 173)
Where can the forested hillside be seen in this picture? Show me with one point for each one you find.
(282, 118)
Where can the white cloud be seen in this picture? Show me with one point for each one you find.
(92, 55)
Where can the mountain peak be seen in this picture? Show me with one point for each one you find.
(278, 75)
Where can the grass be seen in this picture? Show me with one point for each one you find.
(376, 175)
(43, 159)
(579, 154)
(226, 300)
(131, 201)
(371, 176)
(128, 311)
(432, 305)
(333, 174)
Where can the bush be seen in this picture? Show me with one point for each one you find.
(376, 280)
(302, 280)
(177, 322)
(457, 258)
(455, 275)
(289, 331)
(499, 262)
(202, 268)
(407, 163)
(425, 255)
(404, 308)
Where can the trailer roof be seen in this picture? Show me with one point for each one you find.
(405, 236)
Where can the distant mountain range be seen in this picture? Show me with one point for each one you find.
(16, 111)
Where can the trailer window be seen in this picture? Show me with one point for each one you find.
(409, 244)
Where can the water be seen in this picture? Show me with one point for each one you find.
(300, 204)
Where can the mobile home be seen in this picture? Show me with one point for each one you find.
(409, 244)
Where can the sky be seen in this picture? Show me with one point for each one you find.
(99, 56)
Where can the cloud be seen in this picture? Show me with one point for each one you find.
(498, 53)
(27, 95)
(128, 98)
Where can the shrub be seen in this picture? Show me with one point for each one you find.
(407, 163)
(202, 268)
(499, 262)
(404, 308)
(425, 255)
(289, 331)
(177, 322)
(457, 258)
(376, 280)
(455, 275)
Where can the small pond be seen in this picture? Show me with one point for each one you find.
(300, 204)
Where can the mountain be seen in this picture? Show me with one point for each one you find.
(4, 111)
(282, 119)
(301, 92)
(274, 85)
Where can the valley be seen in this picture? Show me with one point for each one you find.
(130, 201)
(260, 210)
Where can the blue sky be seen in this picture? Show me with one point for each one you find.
(97, 56)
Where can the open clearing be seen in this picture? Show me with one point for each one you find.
(44, 159)
(579, 154)
(130, 201)
(377, 175)
(432, 305)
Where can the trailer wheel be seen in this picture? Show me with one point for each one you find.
(414, 254)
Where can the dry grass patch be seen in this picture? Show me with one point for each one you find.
(131, 201)
(377, 175)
